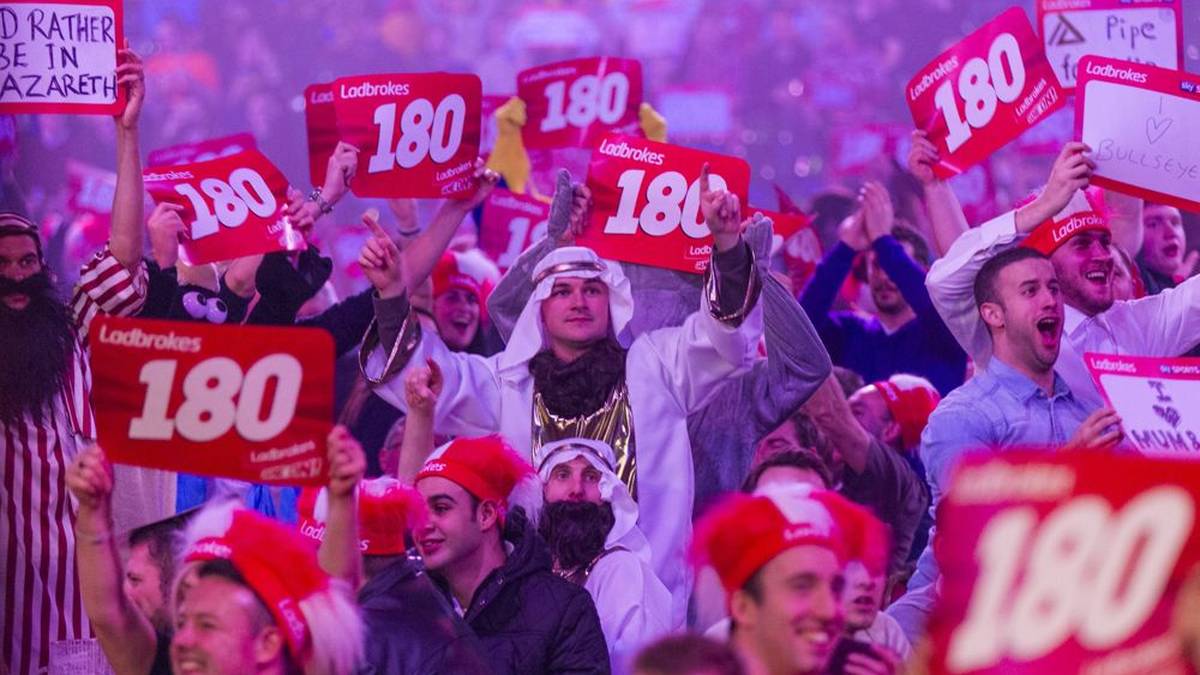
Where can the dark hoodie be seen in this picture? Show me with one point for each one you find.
(411, 629)
(529, 620)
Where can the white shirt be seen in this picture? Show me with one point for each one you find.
(1167, 324)
(886, 632)
(633, 605)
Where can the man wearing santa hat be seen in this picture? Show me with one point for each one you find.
(482, 551)
(563, 373)
(590, 523)
(781, 556)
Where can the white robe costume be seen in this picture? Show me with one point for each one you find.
(633, 604)
(670, 373)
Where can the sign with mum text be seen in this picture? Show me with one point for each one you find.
(60, 57)
(1156, 399)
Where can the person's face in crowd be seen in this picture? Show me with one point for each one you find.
(143, 585)
(576, 313)
(794, 623)
(870, 409)
(457, 314)
(1084, 267)
(1163, 238)
(18, 261)
(454, 528)
(1122, 279)
(1030, 312)
(862, 597)
(574, 481)
(885, 294)
(222, 629)
(790, 475)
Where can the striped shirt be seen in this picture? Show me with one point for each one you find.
(39, 590)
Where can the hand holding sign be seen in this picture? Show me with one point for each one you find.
(983, 92)
(131, 79)
(244, 402)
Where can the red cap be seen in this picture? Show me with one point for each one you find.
(910, 400)
(277, 563)
(486, 467)
(744, 532)
(1085, 212)
(387, 510)
(449, 274)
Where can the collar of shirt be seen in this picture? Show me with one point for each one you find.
(1015, 381)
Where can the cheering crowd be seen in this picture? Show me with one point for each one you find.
(579, 465)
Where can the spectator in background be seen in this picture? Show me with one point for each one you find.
(905, 333)
(1126, 278)
(1164, 260)
(688, 654)
(862, 600)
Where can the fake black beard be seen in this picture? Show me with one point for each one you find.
(575, 531)
(35, 348)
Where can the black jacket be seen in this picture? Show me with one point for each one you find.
(411, 629)
(530, 621)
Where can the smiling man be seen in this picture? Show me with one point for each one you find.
(1069, 225)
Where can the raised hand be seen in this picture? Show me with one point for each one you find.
(339, 171)
(722, 211)
(486, 180)
(165, 225)
(131, 75)
(922, 157)
(90, 480)
(380, 260)
(1071, 172)
(878, 213)
(300, 212)
(853, 233)
(347, 463)
(569, 210)
(422, 387)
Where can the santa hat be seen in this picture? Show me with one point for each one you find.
(910, 400)
(528, 334)
(1085, 212)
(277, 563)
(449, 274)
(743, 532)
(625, 531)
(487, 467)
(387, 510)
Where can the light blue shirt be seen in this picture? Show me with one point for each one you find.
(998, 408)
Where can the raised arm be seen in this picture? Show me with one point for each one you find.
(422, 387)
(339, 553)
(946, 216)
(125, 634)
(879, 219)
(125, 237)
(830, 411)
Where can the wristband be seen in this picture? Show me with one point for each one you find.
(315, 196)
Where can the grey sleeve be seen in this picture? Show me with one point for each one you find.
(507, 300)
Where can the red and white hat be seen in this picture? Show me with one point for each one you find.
(387, 510)
(487, 467)
(910, 399)
(1085, 212)
(450, 273)
(277, 563)
(743, 532)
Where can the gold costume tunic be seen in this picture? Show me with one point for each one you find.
(612, 423)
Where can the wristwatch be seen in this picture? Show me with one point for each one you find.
(315, 196)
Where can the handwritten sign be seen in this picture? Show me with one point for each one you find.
(1156, 399)
(647, 201)
(418, 133)
(246, 402)
(1147, 31)
(201, 151)
(574, 103)
(983, 92)
(1063, 563)
(232, 207)
(320, 123)
(60, 57)
(1143, 124)
(510, 224)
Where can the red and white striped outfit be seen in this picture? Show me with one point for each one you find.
(39, 589)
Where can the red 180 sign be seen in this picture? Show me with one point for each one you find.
(418, 134)
(252, 403)
(573, 103)
(984, 91)
(232, 206)
(647, 201)
(1063, 562)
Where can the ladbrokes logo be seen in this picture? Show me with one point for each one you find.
(1114, 366)
(321, 97)
(624, 151)
(933, 77)
(140, 339)
(367, 89)
(169, 175)
(1127, 74)
(1076, 223)
(434, 467)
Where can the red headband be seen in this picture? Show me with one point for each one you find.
(1086, 215)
